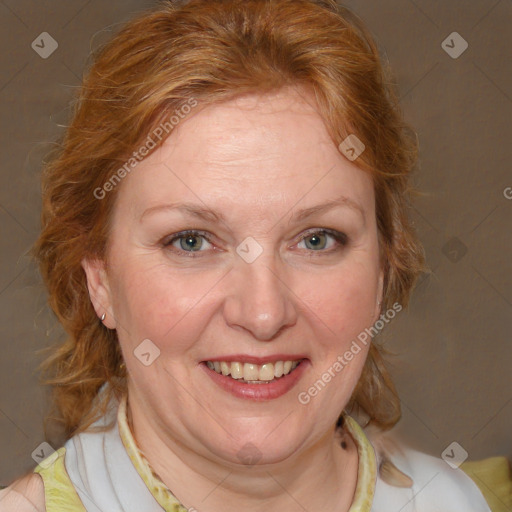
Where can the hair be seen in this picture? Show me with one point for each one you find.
(211, 51)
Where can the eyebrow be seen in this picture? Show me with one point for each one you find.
(208, 214)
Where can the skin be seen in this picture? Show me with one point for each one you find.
(257, 160)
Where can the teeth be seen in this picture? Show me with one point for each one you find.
(237, 370)
(225, 367)
(266, 372)
(253, 373)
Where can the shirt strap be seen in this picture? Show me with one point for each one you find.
(60, 494)
(366, 467)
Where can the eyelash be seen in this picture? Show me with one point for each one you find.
(340, 238)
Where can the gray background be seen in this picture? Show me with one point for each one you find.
(453, 363)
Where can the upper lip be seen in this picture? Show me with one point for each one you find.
(244, 358)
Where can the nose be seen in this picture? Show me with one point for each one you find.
(259, 300)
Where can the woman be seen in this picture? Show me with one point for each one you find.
(224, 227)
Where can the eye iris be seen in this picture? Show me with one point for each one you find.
(316, 237)
(192, 242)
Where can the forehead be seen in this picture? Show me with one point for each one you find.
(267, 150)
(252, 130)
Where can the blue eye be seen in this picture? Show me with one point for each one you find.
(188, 241)
(318, 240)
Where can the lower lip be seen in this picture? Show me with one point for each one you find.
(258, 392)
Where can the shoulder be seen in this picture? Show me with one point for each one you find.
(434, 485)
(24, 495)
(437, 484)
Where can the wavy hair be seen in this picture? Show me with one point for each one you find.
(212, 51)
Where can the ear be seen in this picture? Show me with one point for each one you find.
(99, 290)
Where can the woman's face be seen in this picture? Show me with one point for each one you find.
(284, 267)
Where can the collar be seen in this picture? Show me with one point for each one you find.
(366, 472)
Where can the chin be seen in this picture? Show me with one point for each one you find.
(264, 444)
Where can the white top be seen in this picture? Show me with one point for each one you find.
(105, 471)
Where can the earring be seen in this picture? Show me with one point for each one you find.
(103, 316)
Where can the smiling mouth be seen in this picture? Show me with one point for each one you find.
(253, 373)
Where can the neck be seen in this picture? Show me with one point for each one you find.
(322, 477)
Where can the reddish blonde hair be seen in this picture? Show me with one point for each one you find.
(212, 51)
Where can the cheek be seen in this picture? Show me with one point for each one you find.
(343, 301)
(155, 303)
